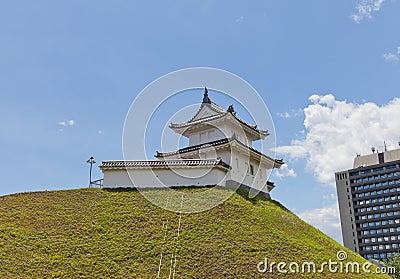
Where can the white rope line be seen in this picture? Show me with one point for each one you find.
(159, 267)
(170, 268)
(176, 248)
(165, 224)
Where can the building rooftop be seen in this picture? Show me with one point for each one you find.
(376, 158)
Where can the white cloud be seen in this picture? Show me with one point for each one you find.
(285, 171)
(335, 131)
(365, 9)
(329, 197)
(239, 19)
(283, 114)
(67, 123)
(292, 113)
(326, 219)
(295, 151)
(391, 57)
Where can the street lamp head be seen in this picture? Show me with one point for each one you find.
(91, 160)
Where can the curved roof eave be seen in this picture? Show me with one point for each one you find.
(277, 163)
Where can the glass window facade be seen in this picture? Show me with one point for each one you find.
(375, 192)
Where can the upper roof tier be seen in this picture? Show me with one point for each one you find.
(210, 113)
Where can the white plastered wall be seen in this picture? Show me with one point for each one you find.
(161, 177)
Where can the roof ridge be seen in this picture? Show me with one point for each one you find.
(163, 163)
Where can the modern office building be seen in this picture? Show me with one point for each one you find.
(369, 204)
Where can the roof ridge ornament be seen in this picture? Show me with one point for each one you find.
(206, 99)
(231, 110)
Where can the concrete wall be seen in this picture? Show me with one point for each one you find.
(392, 155)
(373, 159)
(366, 160)
(349, 231)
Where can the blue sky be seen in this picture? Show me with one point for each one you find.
(87, 60)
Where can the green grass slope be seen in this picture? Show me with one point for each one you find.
(94, 233)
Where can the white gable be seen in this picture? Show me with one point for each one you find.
(211, 115)
(208, 110)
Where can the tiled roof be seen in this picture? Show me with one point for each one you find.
(214, 143)
(162, 163)
(220, 113)
(254, 127)
(213, 117)
(192, 148)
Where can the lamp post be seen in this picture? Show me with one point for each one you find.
(90, 161)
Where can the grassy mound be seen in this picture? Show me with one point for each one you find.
(94, 233)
